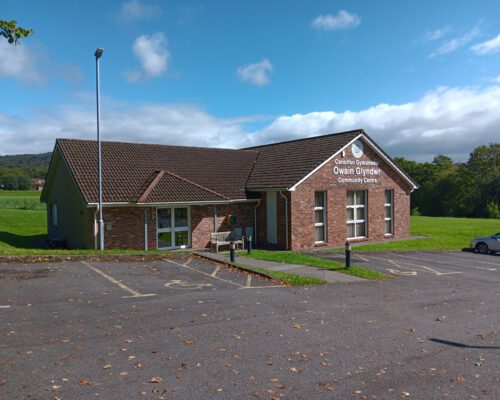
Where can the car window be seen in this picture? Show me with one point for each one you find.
(497, 235)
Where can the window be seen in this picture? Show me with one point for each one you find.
(173, 228)
(356, 214)
(53, 214)
(388, 212)
(320, 217)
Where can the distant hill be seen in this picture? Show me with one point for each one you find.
(16, 171)
(31, 161)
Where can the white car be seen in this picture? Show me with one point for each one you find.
(486, 244)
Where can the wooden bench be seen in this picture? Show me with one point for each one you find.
(224, 239)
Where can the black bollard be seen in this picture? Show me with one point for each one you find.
(232, 252)
(347, 254)
(249, 244)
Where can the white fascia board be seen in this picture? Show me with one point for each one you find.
(391, 163)
(197, 203)
(184, 203)
(324, 163)
(268, 190)
(113, 204)
(373, 147)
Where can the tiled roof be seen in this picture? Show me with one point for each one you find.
(282, 165)
(128, 169)
(177, 189)
(150, 173)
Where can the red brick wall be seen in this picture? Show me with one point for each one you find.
(302, 212)
(202, 221)
(124, 228)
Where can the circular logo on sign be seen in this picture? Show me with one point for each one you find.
(357, 148)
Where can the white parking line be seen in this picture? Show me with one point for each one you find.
(4, 306)
(117, 282)
(446, 264)
(216, 270)
(426, 269)
(466, 258)
(249, 281)
(203, 273)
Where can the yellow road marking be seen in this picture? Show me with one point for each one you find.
(116, 282)
(216, 270)
(249, 280)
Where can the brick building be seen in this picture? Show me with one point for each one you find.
(294, 195)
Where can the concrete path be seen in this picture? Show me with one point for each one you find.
(304, 270)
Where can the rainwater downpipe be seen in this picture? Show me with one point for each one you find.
(286, 218)
(255, 241)
(146, 229)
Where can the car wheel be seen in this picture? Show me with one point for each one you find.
(482, 247)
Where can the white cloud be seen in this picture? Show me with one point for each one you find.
(497, 79)
(19, 62)
(256, 74)
(451, 121)
(447, 120)
(341, 20)
(456, 43)
(153, 55)
(437, 34)
(32, 65)
(488, 47)
(135, 10)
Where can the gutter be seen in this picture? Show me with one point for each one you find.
(286, 219)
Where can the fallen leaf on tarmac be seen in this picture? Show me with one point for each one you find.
(279, 385)
(106, 366)
(123, 373)
(325, 385)
(155, 379)
(297, 326)
(189, 341)
(459, 378)
(269, 361)
(55, 387)
(405, 394)
(295, 370)
(2, 382)
(85, 382)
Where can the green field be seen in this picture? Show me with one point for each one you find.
(444, 234)
(21, 200)
(23, 231)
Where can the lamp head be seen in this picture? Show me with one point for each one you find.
(98, 53)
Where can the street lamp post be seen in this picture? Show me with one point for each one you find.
(98, 54)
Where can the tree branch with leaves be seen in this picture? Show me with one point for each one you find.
(10, 31)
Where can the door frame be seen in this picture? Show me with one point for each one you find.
(172, 228)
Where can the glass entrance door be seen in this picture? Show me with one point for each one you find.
(173, 228)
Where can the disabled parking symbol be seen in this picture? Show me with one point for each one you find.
(179, 284)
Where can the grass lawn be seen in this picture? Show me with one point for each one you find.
(445, 234)
(291, 257)
(23, 232)
(21, 199)
(291, 279)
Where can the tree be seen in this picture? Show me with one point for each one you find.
(10, 31)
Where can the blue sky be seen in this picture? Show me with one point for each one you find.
(420, 77)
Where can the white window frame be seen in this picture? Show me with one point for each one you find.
(323, 223)
(355, 208)
(174, 229)
(391, 218)
(53, 214)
